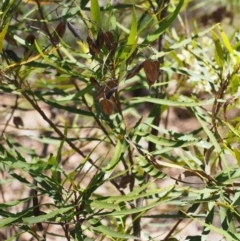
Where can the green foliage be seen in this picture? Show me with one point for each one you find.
(88, 130)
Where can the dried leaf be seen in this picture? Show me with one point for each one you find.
(106, 106)
(74, 31)
(151, 69)
(59, 32)
(135, 70)
(100, 39)
(17, 121)
(106, 88)
(10, 40)
(196, 173)
(93, 48)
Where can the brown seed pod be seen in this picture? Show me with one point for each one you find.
(100, 39)
(74, 31)
(93, 48)
(17, 121)
(10, 40)
(106, 88)
(110, 92)
(29, 41)
(125, 180)
(95, 83)
(59, 32)
(109, 41)
(106, 106)
(151, 69)
(135, 70)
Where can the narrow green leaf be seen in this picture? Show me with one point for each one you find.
(132, 39)
(165, 142)
(227, 234)
(209, 218)
(215, 143)
(143, 208)
(184, 42)
(8, 221)
(171, 102)
(225, 40)
(109, 232)
(164, 24)
(13, 203)
(2, 35)
(219, 55)
(95, 11)
(115, 159)
(45, 57)
(45, 217)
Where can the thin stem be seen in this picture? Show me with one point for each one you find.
(162, 12)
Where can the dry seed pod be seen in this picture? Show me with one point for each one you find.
(93, 48)
(110, 92)
(125, 180)
(109, 40)
(74, 31)
(151, 69)
(135, 70)
(106, 88)
(10, 40)
(17, 121)
(95, 83)
(59, 32)
(12, 55)
(29, 41)
(100, 39)
(106, 106)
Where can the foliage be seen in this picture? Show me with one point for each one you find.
(104, 80)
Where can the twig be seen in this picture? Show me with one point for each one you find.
(11, 115)
(162, 12)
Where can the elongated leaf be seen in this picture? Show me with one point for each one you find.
(171, 102)
(227, 234)
(132, 39)
(215, 143)
(141, 209)
(225, 40)
(61, 70)
(219, 54)
(164, 24)
(95, 10)
(2, 35)
(13, 203)
(185, 42)
(45, 217)
(165, 142)
(108, 231)
(115, 159)
(8, 221)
